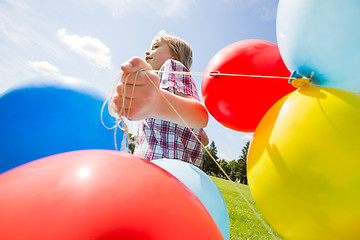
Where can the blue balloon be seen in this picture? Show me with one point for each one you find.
(203, 187)
(50, 116)
(322, 37)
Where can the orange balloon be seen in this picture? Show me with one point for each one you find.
(239, 103)
(99, 194)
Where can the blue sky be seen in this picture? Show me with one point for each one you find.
(90, 39)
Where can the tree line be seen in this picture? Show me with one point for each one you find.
(235, 169)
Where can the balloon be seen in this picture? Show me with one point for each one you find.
(239, 103)
(50, 116)
(303, 164)
(203, 187)
(321, 37)
(99, 194)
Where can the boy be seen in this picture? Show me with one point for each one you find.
(162, 133)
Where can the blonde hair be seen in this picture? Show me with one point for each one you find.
(180, 49)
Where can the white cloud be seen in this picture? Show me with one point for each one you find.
(171, 8)
(24, 29)
(247, 137)
(45, 68)
(91, 48)
(222, 155)
(265, 8)
(267, 13)
(163, 8)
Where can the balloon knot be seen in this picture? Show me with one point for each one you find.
(214, 74)
(298, 80)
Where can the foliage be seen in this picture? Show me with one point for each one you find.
(235, 169)
(210, 167)
(242, 163)
(131, 139)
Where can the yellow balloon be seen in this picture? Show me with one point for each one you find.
(304, 164)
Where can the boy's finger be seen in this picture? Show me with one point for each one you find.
(135, 64)
(133, 78)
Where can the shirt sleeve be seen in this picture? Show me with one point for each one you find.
(183, 83)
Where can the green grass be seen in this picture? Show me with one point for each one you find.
(244, 224)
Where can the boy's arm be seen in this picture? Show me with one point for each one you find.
(148, 100)
(191, 110)
(204, 138)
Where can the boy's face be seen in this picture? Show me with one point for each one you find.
(158, 54)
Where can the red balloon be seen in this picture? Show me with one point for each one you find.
(238, 102)
(99, 194)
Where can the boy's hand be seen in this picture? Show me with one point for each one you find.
(140, 95)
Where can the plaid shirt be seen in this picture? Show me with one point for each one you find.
(163, 139)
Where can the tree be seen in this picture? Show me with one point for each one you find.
(242, 163)
(225, 167)
(210, 166)
(131, 143)
(234, 169)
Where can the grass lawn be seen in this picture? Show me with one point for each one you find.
(244, 224)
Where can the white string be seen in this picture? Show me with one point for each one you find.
(119, 120)
(207, 151)
(182, 73)
(217, 73)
